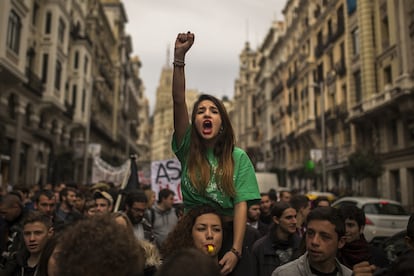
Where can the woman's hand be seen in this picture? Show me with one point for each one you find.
(228, 263)
(183, 43)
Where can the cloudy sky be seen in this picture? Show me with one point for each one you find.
(221, 29)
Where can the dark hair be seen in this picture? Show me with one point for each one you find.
(330, 214)
(189, 261)
(47, 193)
(264, 194)
(198, 167)
(164, 193)
(320, 199)
(181, 235)
(65, 191)
(135, 196)
(279, 207)
(37, 216)
(299, 201)
(410, 226)
(99, 246)
(47, 254)
(353, 213)
(272, 194)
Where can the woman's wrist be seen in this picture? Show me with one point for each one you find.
(178, 62)
(236, 252)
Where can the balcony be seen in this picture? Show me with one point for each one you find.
(34, 83)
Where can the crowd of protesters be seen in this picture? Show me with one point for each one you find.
(76, 231)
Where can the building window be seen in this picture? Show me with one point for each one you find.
(394, 132)
(74, 94)
(45, 67)
(395, 180)
(13, 32)
(76, 61)
(48, 25)
(83, 100)
(58, 74)
(358, 86)
(355, 41)
(61, 30)
(85, 66)
(35, 13)
(388, 75)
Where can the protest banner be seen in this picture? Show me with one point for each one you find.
(167, 174)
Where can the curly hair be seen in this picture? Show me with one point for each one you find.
(99, 246)
(181, 236)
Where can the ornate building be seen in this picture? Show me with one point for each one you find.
(66, 82)
(327, 76)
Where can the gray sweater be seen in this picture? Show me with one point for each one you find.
(301, 267)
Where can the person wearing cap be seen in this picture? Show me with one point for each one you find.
(103, 202)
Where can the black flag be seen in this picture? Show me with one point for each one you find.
(133, 180)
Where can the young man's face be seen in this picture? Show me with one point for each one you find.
(322, 244)
(352, 230)
(285, 196)
(168, 202)
(287, 221)
(70, 198)
(35, 236)
(265, 204)
(136, 211)
(46, 205)
(102, 206)
(253, 213)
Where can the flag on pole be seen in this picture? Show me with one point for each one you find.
(130, 183)
(133, 181)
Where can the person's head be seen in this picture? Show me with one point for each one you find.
(301, 205)
(45, 202)
(324, 236)
(135, 205)
(50, 253)
(37, 229)
(253, 212)
(285, 196)
(11, 207)
(80, 201)
(321, 201)
(199, 228)
(89, 209)
(189, 261)
(354, 219)
(122, 219)
(409, 238)
(150, 196)
(166, 198)
(265, 203)
(211, 129)
(284, 217)
(272, 195)
(103, 202)
(67, 196)
(99, 246)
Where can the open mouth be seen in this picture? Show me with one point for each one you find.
(207, 127)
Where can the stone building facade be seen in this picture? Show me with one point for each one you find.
(66, 81)
(335, 79)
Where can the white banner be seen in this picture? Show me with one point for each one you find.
(102, 171)
(167, 174)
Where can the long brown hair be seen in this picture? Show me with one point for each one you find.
(198, 166)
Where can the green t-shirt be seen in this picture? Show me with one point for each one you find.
(244, 179)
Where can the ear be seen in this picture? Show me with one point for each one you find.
(341, 242)
(275, 220)
(51, 231)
